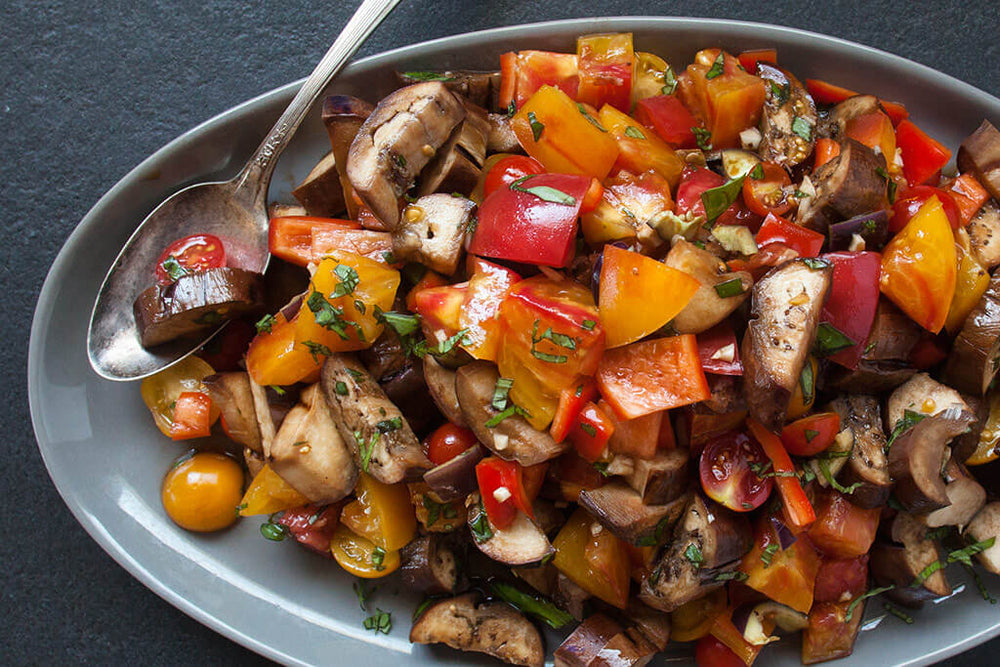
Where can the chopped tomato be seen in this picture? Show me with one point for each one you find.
(595, 560)
(508, 170)
(854, 295)
(923, 156)
(640, 150)
(749, 59)
(728, 99)
(842, 529)
(428, 280)
(312, 526)
(591, 432)
(274, 358)
(969, 196)
(710, 652)
(826, 150)
(719, 351)
(226, 350)
(775, 229)
(669, 118)
(605, 69)
(910, 200)
(840, 579)
(971, 281)
(652, 375)
(728, 471)
(638, 295)
(501, 485)
(875, 131)
(639, 437)
(440, 308)
(192, 416)
(797, 507)
(827, 93)
(727, 633)
(376, 246)
(694, 182)
(291, 237)
(786, 575)
(571, 402)
(191, 254)
(524, 72)
(768, 194)
(626, 199)
(447, 442)
(488, 287)
(811, 435)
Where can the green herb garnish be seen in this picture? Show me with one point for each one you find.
(536, 127)
(694, 555)
(730, 288)
(593, 121)
(634, 132)
(718, 67)
(830, 340)
(173, 268)
(381, 621)
(534, 605)
(864, 596)
(500, 392)
(543, 192)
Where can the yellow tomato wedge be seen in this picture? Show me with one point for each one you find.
(381, 513)
(970, 283)
(269, 493)
(161, 391)
(597, 562)
(360, 556)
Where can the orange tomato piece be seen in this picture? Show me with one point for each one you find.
(597, 563)
(639, 148)
(638, 295)
(875, 131)
(790, 575)
(605, 69)
(487, 289)
(192, 416)
(274, 358)
(826, 150)
(440, 308)
(269, 493)
(971, 281)
(919, 267)
(381, 513)
(969, 195)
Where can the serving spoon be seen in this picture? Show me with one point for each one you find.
(234, 210)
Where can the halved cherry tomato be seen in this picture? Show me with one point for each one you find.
(749, 59)
(710, 652)
(718, 350)
(508, 170)
(811, 435)
(910, 200)
(501, 485)
(200, 493)
(190, 254)
(447, 442)
(360, 556)
(727, 474)
(192, 416)
(767, 195)
(591, 432)
(161, 391)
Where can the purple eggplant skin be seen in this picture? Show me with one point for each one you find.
(456, 478)
(873, 228)
(973, 360)
(980, 154)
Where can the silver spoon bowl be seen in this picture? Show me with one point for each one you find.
(234, 210)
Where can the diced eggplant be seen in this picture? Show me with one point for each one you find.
(984, 525)
(652, 623)
(521, 543)
(902, 561)
(984, 232)
(965, 445)
(456, 478)
(548, 517)
(663, 478)
(784, 316)
(343, 116)
(916, 457)
(568, 596)
(266, 423)
(869, 377)
(432, 232)
(871, 228)
(408, 391)
(980, 154)
(600, 641)
(493, 628)
(788, 122)
(540, 577)
(851, 108)
(321, 193)
(965, 495)
(707, 541)
(451, 170)
(230, 392)
(385, 356)
(706, 308)
(501, 137)
(619, 508)
(196, 302)
(831, 635)
(726, 394)
(381, 440)
(893, 335)
(867, 464)
(925, 395)
(309, 453)
(436, 514)
(441, 386)
(737, 162)
(430, 566)
(480, 88)
(975, 354)
(396, 141)
(847, 186)
(513, 438)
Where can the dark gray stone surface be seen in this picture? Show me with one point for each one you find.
(91, 88)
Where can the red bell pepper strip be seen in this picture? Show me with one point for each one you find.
(827, 93)
(533, 221)
(192, 416)
(291, 237)
(826, 150)
(605, 70)
(669, 118)
(749, 59)
(778, 230)
(853, 299)
(923, 156)
(719, 352)
(571, 402)
(591, 432)
(811, 435)
(798, 509)
(969, 196)
(501, 485)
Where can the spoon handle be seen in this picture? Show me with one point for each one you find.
(254, 178)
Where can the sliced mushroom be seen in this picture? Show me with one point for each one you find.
(980, 154)
(231, 393)
(846, 186)
(309, 453)
(619, 508)
(451, 170)
(984, 233)
(916, 457)
(706, 308)
(478, 87)
(663, 478)
(986, 525)
(343, 116)
(473, 135)
(493, 628)
(396, 141)
(600, 641)
(430, 566)
(320, 193)
(513, 438)
(441, 385)
(381, 440)
(521, 543)
(965, 494)
(922, 394)
(975, 354)
(965, 445)
(708, 540)
(501, 137)
(867, 464)
(432, 232)
(265, 420)
(904, 563)
(788, 122)
(784, 316)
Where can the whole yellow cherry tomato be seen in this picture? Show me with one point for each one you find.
(359, 555)
(200, 493)
(160, 391)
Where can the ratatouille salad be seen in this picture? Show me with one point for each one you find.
(666, 354)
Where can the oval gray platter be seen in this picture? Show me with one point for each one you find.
(107, 459)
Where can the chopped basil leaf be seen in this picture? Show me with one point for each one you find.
(588, 324)
(381, 621)
(824, 467)
(965, 555)
(562, 340)
(693, 554)
(870, 346)
(815, 264)
(717, 200)
(239, 508)
(669, 81)
(536, 127)
(495, 420)
(864, 596)
(316, 349)
(634, 132)
(735, 575)
(718, 67)
(448, 345)
(210, 317)
(979, 584)
(602, 467)
(703, 137)
(830, 340)
(890, 190)
(428, 76)
(593, 121)
(511, 109)
(329, 316)
(802, 127)
(730, 288)
(275, 532)
(472, 224)
(277, 390)
(757, 172)
(810, 434)
(534, 605)
(500, 392)
(427, 602)
(435, 510)
(808, 383)
(801, 195)
(898, 613)
(363, 594)
(588, 429)
(264, 324)
(780, 93)
(348, 277)
(378, 558)
(926, 573)
(365, 450)
(767, 555)
(480, 528)
(389, 425)
(360, 306)
(904, 424)
(356, 374)
(544, 192)
(403, 324)
(173, 268)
